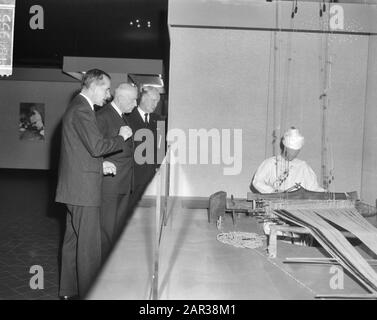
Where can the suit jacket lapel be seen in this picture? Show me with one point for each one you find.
(140, 119)
(115, 114)
(127, 124)
(124, 117)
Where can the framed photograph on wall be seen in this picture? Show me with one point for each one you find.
(32, 121)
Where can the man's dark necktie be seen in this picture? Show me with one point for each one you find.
(124, 117)
(146, 119)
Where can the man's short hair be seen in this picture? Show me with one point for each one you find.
(91, 76)
(125, 87)
(150, 91)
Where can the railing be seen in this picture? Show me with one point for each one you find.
(162, 196)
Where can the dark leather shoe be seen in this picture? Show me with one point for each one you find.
(69, 298)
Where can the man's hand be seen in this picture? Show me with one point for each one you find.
(109, 168)
(125, 132)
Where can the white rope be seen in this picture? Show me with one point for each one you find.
(242, 239)
(253, 241)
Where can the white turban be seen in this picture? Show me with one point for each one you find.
(293, 139)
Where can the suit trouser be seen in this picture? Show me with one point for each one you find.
(81, 251)
(141, 182)
(137, 193)
(113, 216)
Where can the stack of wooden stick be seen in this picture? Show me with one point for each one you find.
(320, 221)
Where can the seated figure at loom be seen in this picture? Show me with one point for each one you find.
(284, 173)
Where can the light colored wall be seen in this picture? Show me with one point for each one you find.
(347, 108)
(219, 79)
(16, 153)
(369, 173)
(345, 113)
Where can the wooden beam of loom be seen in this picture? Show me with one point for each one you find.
(310, 204)
(316, 260)
(335, 244)
(303, 194)
(242, 205)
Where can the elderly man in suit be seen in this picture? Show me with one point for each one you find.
(79, 183)
(116, 188)
(141, 118)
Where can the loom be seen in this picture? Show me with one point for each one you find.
(315, 214)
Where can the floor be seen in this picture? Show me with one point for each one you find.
(30, 233)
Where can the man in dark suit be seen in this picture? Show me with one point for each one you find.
(79, 183)
(143, 120)
(116, 188)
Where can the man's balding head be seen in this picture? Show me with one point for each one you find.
(125, 97)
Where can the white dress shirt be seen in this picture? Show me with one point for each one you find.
(142, 114)
(277, 174)
(116, 108)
